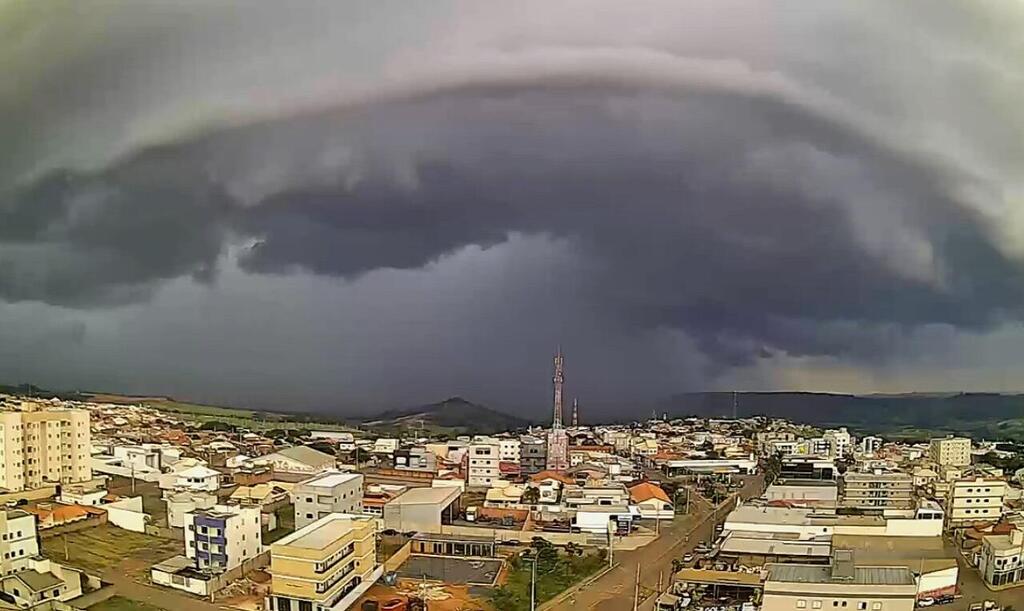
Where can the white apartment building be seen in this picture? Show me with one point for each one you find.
(221, 538)
(838, 441)
(41, 445)
(327, 493)
(510, 450)
(974, 500)
(484, 456)
(950, 451)
(870, 444)
(877, 491)
(18, 541)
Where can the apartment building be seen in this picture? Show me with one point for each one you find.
(18, 541)
(223, 537)
(839, 442)
(870, 445)
(415, 459)
(974, 500)
(484, 456)
(324, 565)
(41, 445)
(327, 493)
(877, 491)
(950, 451)
(509, 450)
(533, 455)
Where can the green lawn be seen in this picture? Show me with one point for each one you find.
(96, 550)
(119, 603)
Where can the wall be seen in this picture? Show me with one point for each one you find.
(96, 519)
(127, 514)
(101, 466)
(937, 583)
(398, 558)
(913, 528)
(30, 495)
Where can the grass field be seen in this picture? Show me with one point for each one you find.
(245, 418)
(98, 549)
(119, 603)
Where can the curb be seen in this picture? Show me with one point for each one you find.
(576, 588)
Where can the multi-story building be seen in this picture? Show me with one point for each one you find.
(974, 500)
(484, 456)
(223, 537)
(324, 565)
(870, 444)
(950, 451)
(41, 445)
(877, 491)
(533, 455)
(509, 449)
(327, 493)
(838, 441)
(18, 541)
(1002, 559)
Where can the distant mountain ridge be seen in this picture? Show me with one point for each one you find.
(453, 413)
(991, 414)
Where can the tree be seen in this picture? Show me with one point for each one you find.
(531, 496)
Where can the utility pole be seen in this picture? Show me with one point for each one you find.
(133, 477)
(533, 586)
(636, 589)
(611, 539)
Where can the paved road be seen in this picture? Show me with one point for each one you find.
(614, 590)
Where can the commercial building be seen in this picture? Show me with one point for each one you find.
(533, 455)
(327, 493)
(18, 541)
(484, 457)
(42, 445)
(804, 492)
(807, 467)
(1001, 563)
(950, 451)
(221, 538)
(877, 491)
(422, 509)
(325, 565)
(840, 585)
(974, 500)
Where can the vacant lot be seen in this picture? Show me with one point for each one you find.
(119, 603)
(98, 549)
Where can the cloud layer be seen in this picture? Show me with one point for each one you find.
(715, 186)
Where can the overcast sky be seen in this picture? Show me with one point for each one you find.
(363, 204)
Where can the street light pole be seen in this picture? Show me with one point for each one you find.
(533, 586)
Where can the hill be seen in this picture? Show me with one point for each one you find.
(991, 415)
(454, 414)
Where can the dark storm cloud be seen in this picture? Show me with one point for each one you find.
(764, 194)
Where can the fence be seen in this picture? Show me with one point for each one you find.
(93, 598)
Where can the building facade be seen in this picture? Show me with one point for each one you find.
(18, 541)
(41, 445)
(839, 442)
(841, 585)
(484, 456)
(509, 449)
(324, 565)
(877, 491)
(327, 493)
(974, 500)
(950, 451)
(223, 537)
(533, 455)
(1001, 562)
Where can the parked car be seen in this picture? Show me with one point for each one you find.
(945, 599)
(688, 558)
(925, 602)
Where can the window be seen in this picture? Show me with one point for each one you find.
(801, 604)
(862, 605)
(816, 604)
(876, 606)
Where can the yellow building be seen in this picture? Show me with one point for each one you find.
(41, 445)
(326, 565)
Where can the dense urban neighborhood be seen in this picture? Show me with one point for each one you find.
(115, 504)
